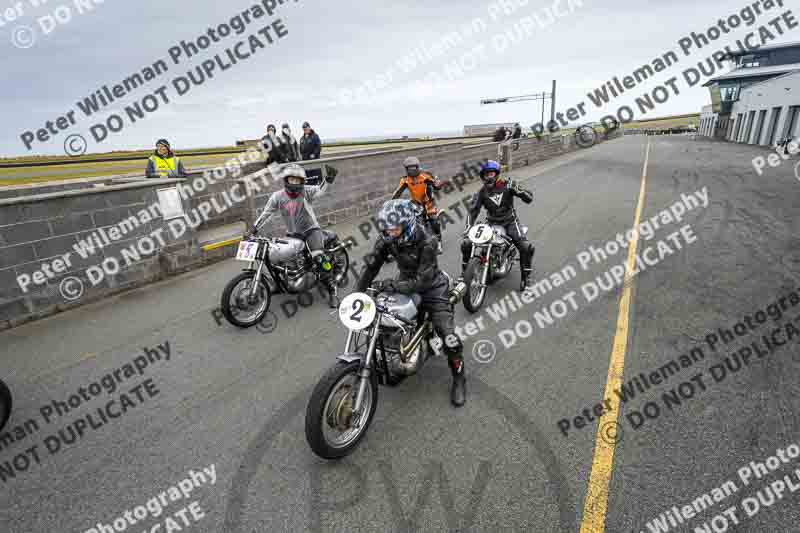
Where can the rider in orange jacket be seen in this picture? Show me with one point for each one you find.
(420, 186)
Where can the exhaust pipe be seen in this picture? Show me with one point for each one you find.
(414, 363)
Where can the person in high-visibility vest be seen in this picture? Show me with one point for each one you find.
(163, 163)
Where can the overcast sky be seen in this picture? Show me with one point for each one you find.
(333, 47)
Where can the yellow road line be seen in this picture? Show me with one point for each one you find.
(596, 503)
(220, 244)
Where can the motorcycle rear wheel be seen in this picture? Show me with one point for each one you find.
(330, 409)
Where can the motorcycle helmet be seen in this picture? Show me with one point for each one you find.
(397, 221)
(486, 168)
(294, 179)
(412, 166)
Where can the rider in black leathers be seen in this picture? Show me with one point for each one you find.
(497, 196)
(414, 249)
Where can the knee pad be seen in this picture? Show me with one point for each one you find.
(452, 345)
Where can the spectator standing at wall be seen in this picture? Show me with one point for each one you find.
(310, 145)
(517, 131)
(272, 145)
(500, 134)
(291, 149)
(163, 163)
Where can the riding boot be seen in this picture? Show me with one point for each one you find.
(458, 390)
(525, 283)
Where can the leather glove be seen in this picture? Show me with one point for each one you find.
(330, 173)
(384, 285)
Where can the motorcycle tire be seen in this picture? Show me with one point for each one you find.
(5, 404)
(473, 270)
(225, 302)
(316, 417)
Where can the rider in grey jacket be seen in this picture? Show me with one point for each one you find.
(294, 204)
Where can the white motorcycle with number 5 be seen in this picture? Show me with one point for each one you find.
(493, 254)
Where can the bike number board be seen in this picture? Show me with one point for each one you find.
(247, 251)
(481, 233)
(357, 311)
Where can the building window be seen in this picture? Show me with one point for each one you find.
(749, 61)
(738, 122)
(729, 94)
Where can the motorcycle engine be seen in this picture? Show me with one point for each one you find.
(392, 338)
(298, 278)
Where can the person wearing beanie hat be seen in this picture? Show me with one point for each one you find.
(163, 163)
(291, 150)
(310, 144)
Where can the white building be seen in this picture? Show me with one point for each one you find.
(767, 112)
(756, 102)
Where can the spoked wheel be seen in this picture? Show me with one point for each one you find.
(5, 404)
(333, 430)
(239, 307)
(474, 294)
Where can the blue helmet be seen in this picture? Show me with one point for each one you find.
(490, 166)
(398, 213)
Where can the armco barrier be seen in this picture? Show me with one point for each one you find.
(36, 229)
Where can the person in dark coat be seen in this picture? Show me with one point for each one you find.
(310, 145)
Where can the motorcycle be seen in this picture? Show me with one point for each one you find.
(288, 263)
(493, 254)
(387, 341)
(5, 404)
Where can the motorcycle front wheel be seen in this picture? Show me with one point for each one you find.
(474, 294)
(5, 404)
(332, 429)
(238, 307)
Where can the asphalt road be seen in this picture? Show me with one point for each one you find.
(236, 398)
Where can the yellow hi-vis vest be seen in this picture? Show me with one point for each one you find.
(165, 165)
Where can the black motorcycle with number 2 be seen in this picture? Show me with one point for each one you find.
(387, 341)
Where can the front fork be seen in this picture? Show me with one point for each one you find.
(486, 263)
(256, 280)
(365, 374)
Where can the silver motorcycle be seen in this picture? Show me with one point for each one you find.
(283, 263)
(388, 340)
(493, 254)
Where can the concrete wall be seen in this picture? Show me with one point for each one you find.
(36, 229)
